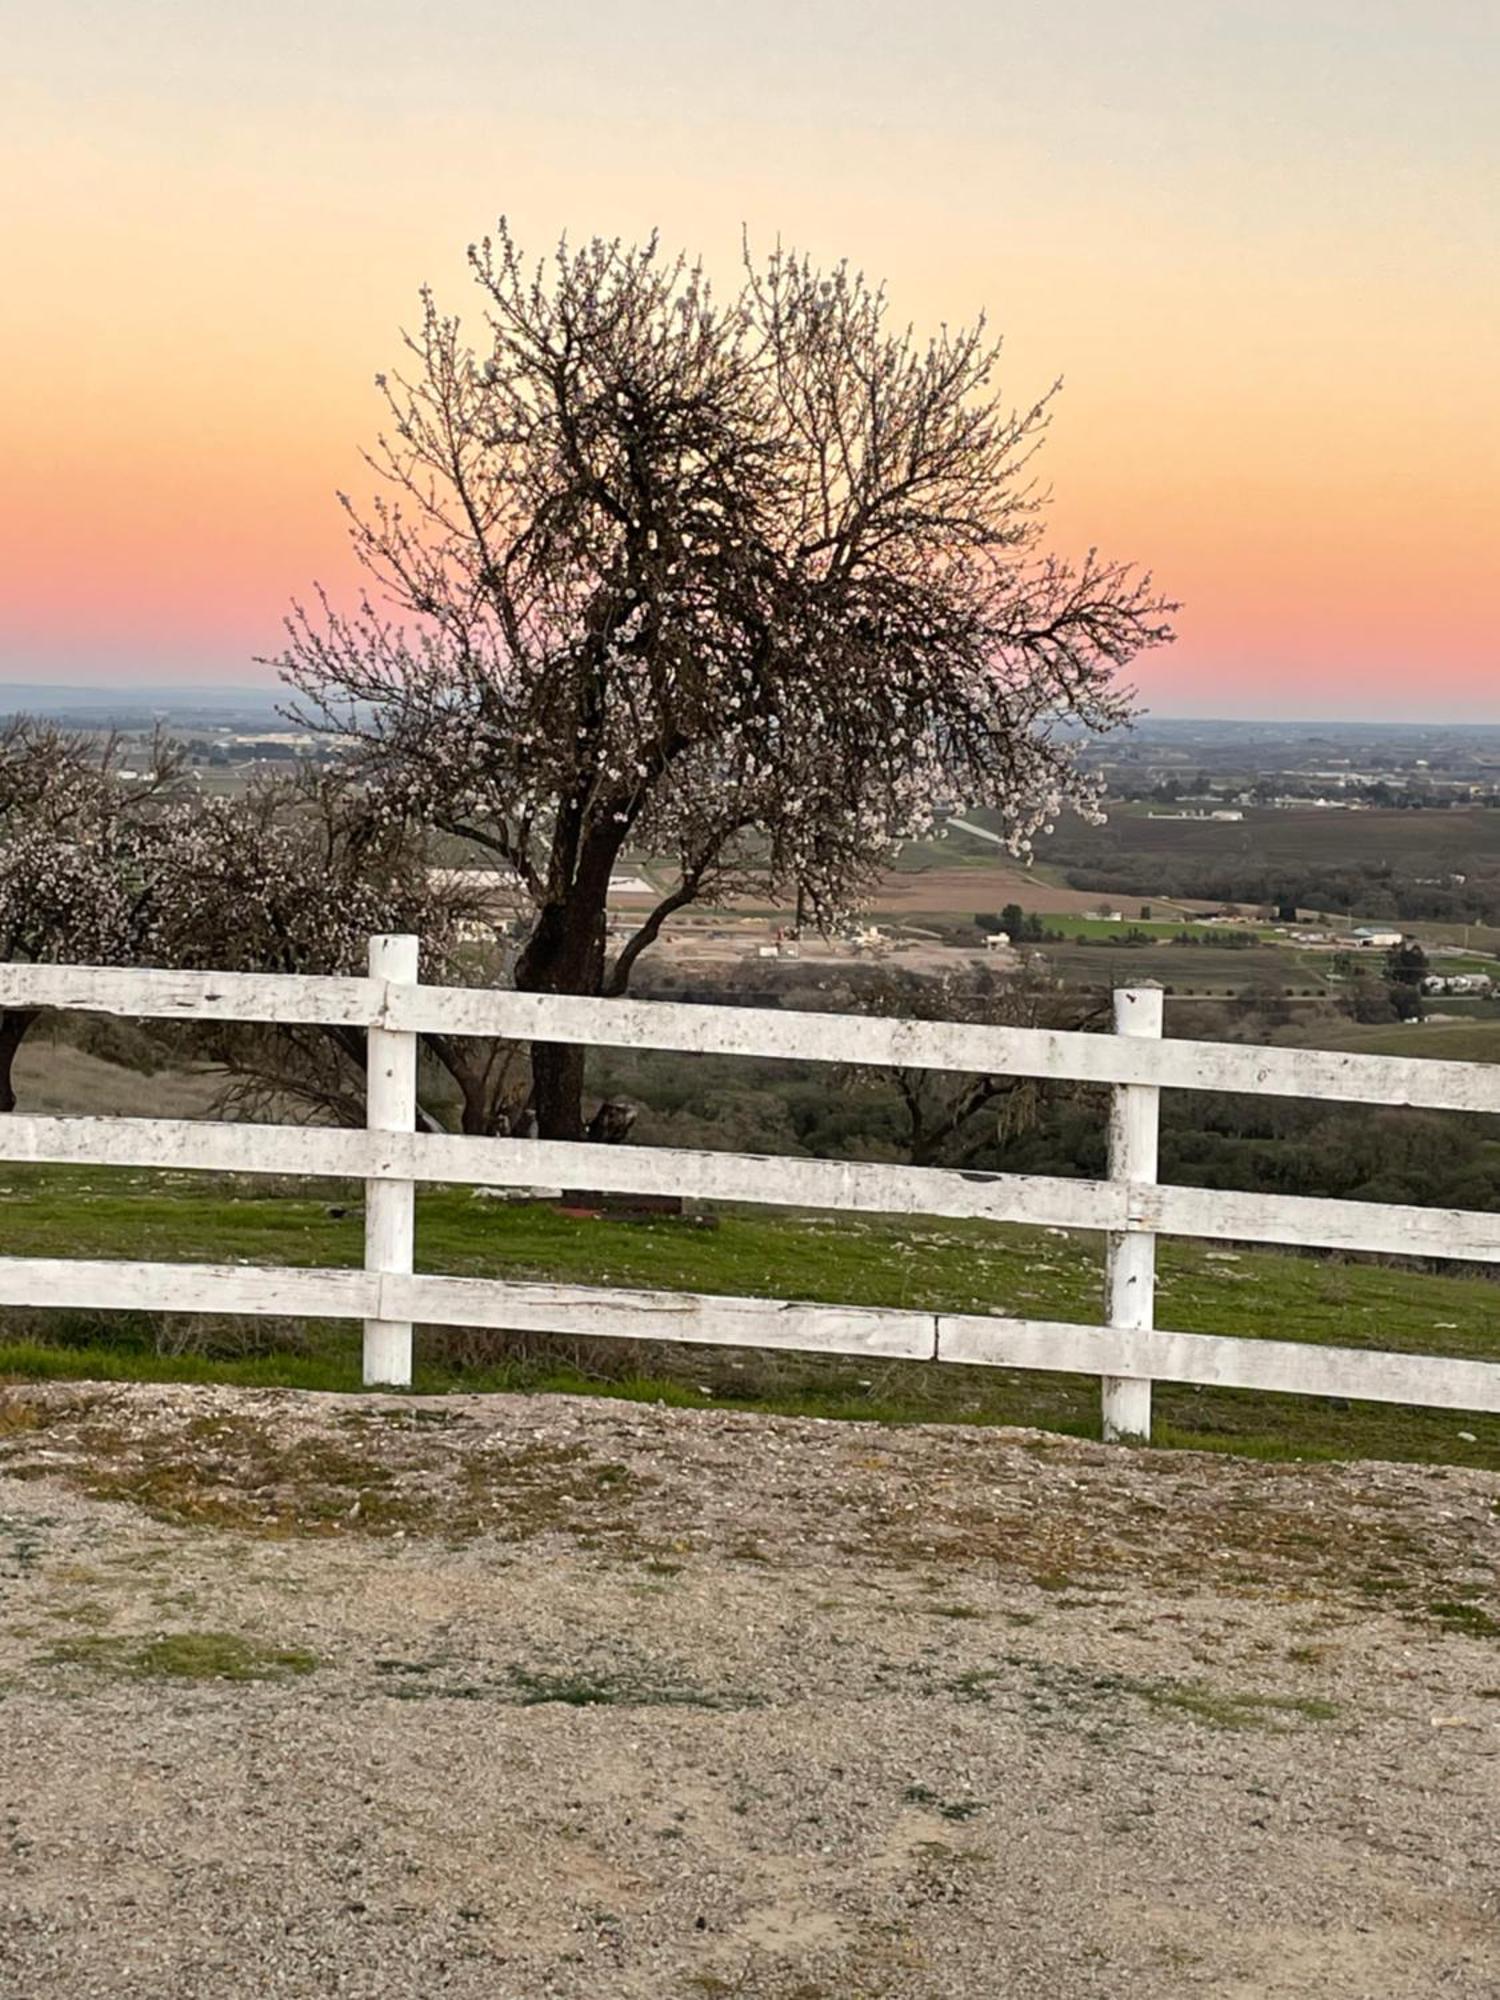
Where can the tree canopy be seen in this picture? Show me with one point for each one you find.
(747, 584)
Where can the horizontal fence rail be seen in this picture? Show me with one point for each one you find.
(390, 1157)
(674, 1026)
(873, 1332)
(871, 1187)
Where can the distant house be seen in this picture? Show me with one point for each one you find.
(1219, 812)
(1369, 939)
(1475, 984)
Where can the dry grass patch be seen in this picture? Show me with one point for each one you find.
(288, 1473)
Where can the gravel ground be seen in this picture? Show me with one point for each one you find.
(514, 1697)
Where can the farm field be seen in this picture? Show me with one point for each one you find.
(860, 1260)
(1221, 969)
(1109, 930)
(979, 885)
(1408, 839)
(1454, 1041)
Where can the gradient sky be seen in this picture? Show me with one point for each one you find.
(1259, 242)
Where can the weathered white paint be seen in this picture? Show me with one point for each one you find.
(390, 1156)
(1130, 1259)
(752, 1031)
(1064, 1347)
(1215, 1361)
(200, 1145)
(949, 1045)
(719, 1321)
(1216, 1214)
(87, 1284)
(390, 1205)
(324, 1151)
(199, 996)
(1315, 1222)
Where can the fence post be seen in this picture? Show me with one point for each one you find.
(390, 1206)
(1130, 1262)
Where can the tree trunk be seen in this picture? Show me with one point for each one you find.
(557, 1089)
(565, 954)
(13, 1026)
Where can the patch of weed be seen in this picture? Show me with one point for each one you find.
(1045, 1683)
(1217, 1709)
(185, 1656)
(1456, 1615)
(243, 1472)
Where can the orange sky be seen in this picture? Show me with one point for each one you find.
(1259, 243)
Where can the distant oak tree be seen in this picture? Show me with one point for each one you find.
(745, 584)
(953, 1120)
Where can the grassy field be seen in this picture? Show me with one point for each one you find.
(51, 1076)
(1105, 928)
(1457, 1041)
(1198, 968)
(930, 1265)
(1405, 839)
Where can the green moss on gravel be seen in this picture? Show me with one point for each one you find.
(184, 1656)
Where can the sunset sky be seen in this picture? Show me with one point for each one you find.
(1258, 241)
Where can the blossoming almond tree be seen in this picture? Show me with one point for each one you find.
(743, 584)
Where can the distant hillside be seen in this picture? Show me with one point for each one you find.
(131, 707)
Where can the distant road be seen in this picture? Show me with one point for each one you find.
(980, 832)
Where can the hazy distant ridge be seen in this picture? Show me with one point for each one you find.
(131, 706)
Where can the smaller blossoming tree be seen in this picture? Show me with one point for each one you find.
(296, 875)
(78, 842)
(97, 868)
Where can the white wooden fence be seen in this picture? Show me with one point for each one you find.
(390, 1156)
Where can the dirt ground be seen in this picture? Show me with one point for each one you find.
(547, 1697)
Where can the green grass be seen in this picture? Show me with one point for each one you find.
(927, 1265)
(1452, 962)
(1454, 1041)
(1217, 1709)
(1455, 1615)
(1106, 928)
(1218, 967)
